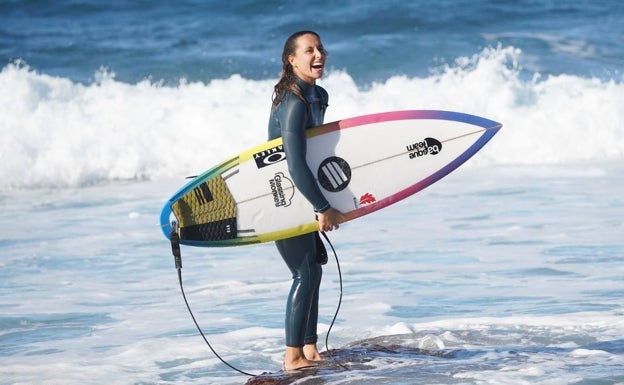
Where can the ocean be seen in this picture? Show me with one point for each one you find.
(508, 271)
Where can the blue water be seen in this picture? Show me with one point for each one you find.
(508, 271)
(205, 40)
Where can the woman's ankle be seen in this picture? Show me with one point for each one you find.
(311, 352)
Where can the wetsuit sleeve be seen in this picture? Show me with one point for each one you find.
(294, 120)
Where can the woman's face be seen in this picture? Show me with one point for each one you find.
(308, 61)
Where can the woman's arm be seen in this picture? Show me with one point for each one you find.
(294, 123)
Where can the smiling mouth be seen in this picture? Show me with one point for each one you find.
(317, 66)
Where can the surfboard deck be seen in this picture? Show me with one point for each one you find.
(362, 165)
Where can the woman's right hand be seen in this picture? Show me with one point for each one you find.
(330, 220)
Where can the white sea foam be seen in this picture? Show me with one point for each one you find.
(55, 132)
(513, 276)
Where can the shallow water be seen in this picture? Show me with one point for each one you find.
(516, 272)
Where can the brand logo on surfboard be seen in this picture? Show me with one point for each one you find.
(282, 189)
(367, 199)
(269, 156)
(429, 146)
(334, 174)
(364, 200)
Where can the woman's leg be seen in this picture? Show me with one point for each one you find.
(299, 253)
(311, 337)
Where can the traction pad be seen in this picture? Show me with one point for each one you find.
(207, 213)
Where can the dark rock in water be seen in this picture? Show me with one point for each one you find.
(362, 355)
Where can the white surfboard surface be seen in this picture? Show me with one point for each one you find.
(362, 165)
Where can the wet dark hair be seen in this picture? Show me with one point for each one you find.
(288, 78)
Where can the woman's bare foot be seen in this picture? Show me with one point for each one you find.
(295, 359)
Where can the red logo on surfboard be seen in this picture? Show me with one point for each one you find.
(367, 198)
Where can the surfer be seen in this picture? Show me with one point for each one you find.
(299, 104)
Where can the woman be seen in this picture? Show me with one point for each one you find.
(298, 104)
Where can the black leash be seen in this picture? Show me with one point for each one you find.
(177, 256)
(339, 298)
(175, 248)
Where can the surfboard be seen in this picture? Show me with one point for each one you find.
(362, 165)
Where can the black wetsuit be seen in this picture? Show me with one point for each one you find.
(289, 120)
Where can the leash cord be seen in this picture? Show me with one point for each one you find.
(177, 255)
(202, 333)
(340, 297)
(175, 248)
